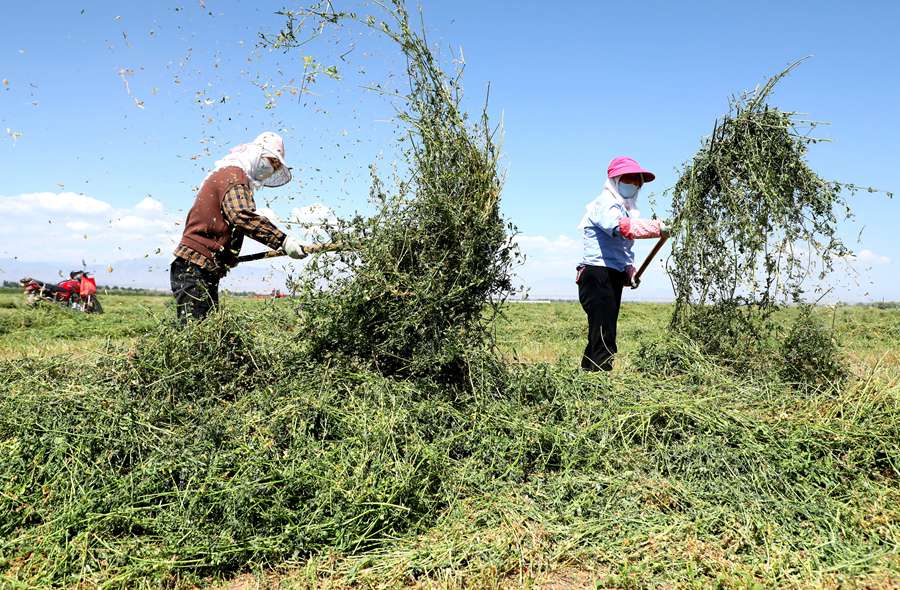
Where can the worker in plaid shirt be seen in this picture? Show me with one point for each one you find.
(223, 213)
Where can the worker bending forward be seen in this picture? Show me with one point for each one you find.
(222, 214)
(609, 226)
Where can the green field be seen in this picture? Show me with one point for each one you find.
(546, 477)
(528, 332)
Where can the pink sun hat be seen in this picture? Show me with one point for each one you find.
(625, 165)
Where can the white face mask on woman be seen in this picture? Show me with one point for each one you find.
(629, 194)
(627, 191)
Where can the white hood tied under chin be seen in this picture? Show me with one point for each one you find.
(251, 158)
(612, 185)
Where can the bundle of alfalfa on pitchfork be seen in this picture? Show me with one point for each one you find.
(752, 226)
(417, 292)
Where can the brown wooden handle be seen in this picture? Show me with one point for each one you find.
(310, 249)
(649, 259)
(260, 255)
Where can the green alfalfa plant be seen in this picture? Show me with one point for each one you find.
(213, 359)
(674, 355)
(809, 354)
(410, 297)
(752, 225)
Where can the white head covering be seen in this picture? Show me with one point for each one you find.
(603, 201)
(251, 158)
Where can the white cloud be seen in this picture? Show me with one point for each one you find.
(312, 215)
(563, 246)
(269, 214)
(65, 202)
(68, 227)
(311, 221)
(149, 204)
(870, 258)
(549, 269)
(140, 223)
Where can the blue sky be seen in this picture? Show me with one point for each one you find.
(575, 86)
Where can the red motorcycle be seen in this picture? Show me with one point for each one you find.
(78, 292)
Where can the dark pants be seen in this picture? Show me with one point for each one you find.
(600, 294)
(196, 290)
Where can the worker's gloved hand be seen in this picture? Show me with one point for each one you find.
(664, 229)
(631, 280)
(293, 248)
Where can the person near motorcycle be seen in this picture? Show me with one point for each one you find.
(609, 227)
(222, 214)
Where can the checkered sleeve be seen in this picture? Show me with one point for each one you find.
(240, 210)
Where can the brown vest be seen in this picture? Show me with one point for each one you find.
(206, 230)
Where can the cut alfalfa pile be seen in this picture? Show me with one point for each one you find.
(753, 225)
(126, 480)
(809, 355)
(190, 454)
(411, 296)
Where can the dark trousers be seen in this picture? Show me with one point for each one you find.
(600, 294)
(196, 290)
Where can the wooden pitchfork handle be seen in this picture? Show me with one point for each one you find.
(636, 279)
(311, 249)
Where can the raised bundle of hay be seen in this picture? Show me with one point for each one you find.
(753, 223)
(411, 297)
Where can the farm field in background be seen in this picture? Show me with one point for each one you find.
(529, 332)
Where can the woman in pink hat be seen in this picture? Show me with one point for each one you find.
(610, 225)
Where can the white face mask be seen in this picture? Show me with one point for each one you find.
(627, 191)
